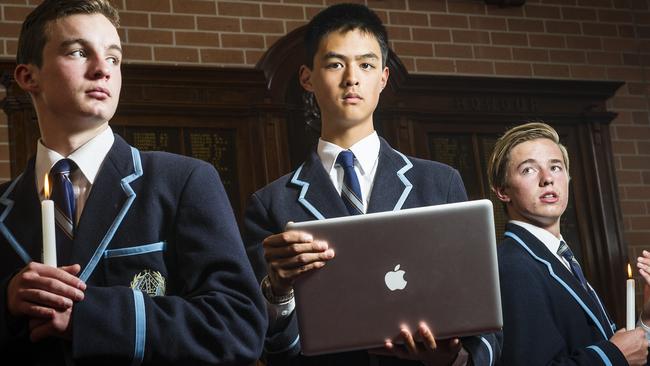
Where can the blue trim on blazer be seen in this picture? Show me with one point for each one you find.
(564, 284)
(140, 328)
(602, 355)
(407, 184)
(602, 307)
(3, 228)
(140, 249)
(303, 192)
(489, 347)
(137, 166)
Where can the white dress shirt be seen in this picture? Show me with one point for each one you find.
(366, 156)
(89, 158)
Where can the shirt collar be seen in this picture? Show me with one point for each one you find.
(88, 157)
(549, 240)
(365, 151)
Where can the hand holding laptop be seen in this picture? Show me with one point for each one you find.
(291, 254)
(427, 350)
(424, 258)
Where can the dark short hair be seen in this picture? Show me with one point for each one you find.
(344, 18)
(33, 34)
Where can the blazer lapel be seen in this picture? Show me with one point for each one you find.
(563, 276)
(20, 219)
(391, 187)
(316, 193)
(109, 199)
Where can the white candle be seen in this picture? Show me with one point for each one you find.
(49, 233)
(630, 315)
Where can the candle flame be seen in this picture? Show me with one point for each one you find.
(46, 188)
(629, 271)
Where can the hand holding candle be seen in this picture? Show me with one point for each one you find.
(643, 265)
(630, 314)
(49, 234)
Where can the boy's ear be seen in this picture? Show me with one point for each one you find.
(26, 75)
(304, 75)
(384, 77)
(501, 194)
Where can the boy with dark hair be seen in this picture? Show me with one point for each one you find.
(352, 171)
(551, 315)
(152, 269)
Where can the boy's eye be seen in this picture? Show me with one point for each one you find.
(113, 60)
(367, 66)
(78, 53)
(335, 65)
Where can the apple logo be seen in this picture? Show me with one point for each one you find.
(395, 279)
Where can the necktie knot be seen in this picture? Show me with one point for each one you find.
(63, 167)
(346, 159)
(565, 252)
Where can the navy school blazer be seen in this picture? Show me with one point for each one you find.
(548, 317)
(308, 194)
(149, 214)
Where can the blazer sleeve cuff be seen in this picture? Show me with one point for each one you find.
(483, 349)
(284, 343)
(100, 330)
(607, 353)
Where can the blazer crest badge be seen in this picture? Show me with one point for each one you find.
(149, 282)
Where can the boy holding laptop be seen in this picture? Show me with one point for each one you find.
(353, 171)
(551, 315)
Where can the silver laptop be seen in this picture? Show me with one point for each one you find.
(436, 264)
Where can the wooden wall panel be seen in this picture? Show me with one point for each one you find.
(250, 124)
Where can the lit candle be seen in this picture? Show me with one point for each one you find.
(630, 315)
(49, 234)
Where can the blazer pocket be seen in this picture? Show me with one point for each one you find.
(140, 267)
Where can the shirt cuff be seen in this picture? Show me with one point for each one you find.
(279, 312)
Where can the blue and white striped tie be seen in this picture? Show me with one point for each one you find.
(565, 252)
(64, 206)
(350, 191)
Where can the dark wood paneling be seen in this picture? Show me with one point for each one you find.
(223, 116)
(251, 126)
